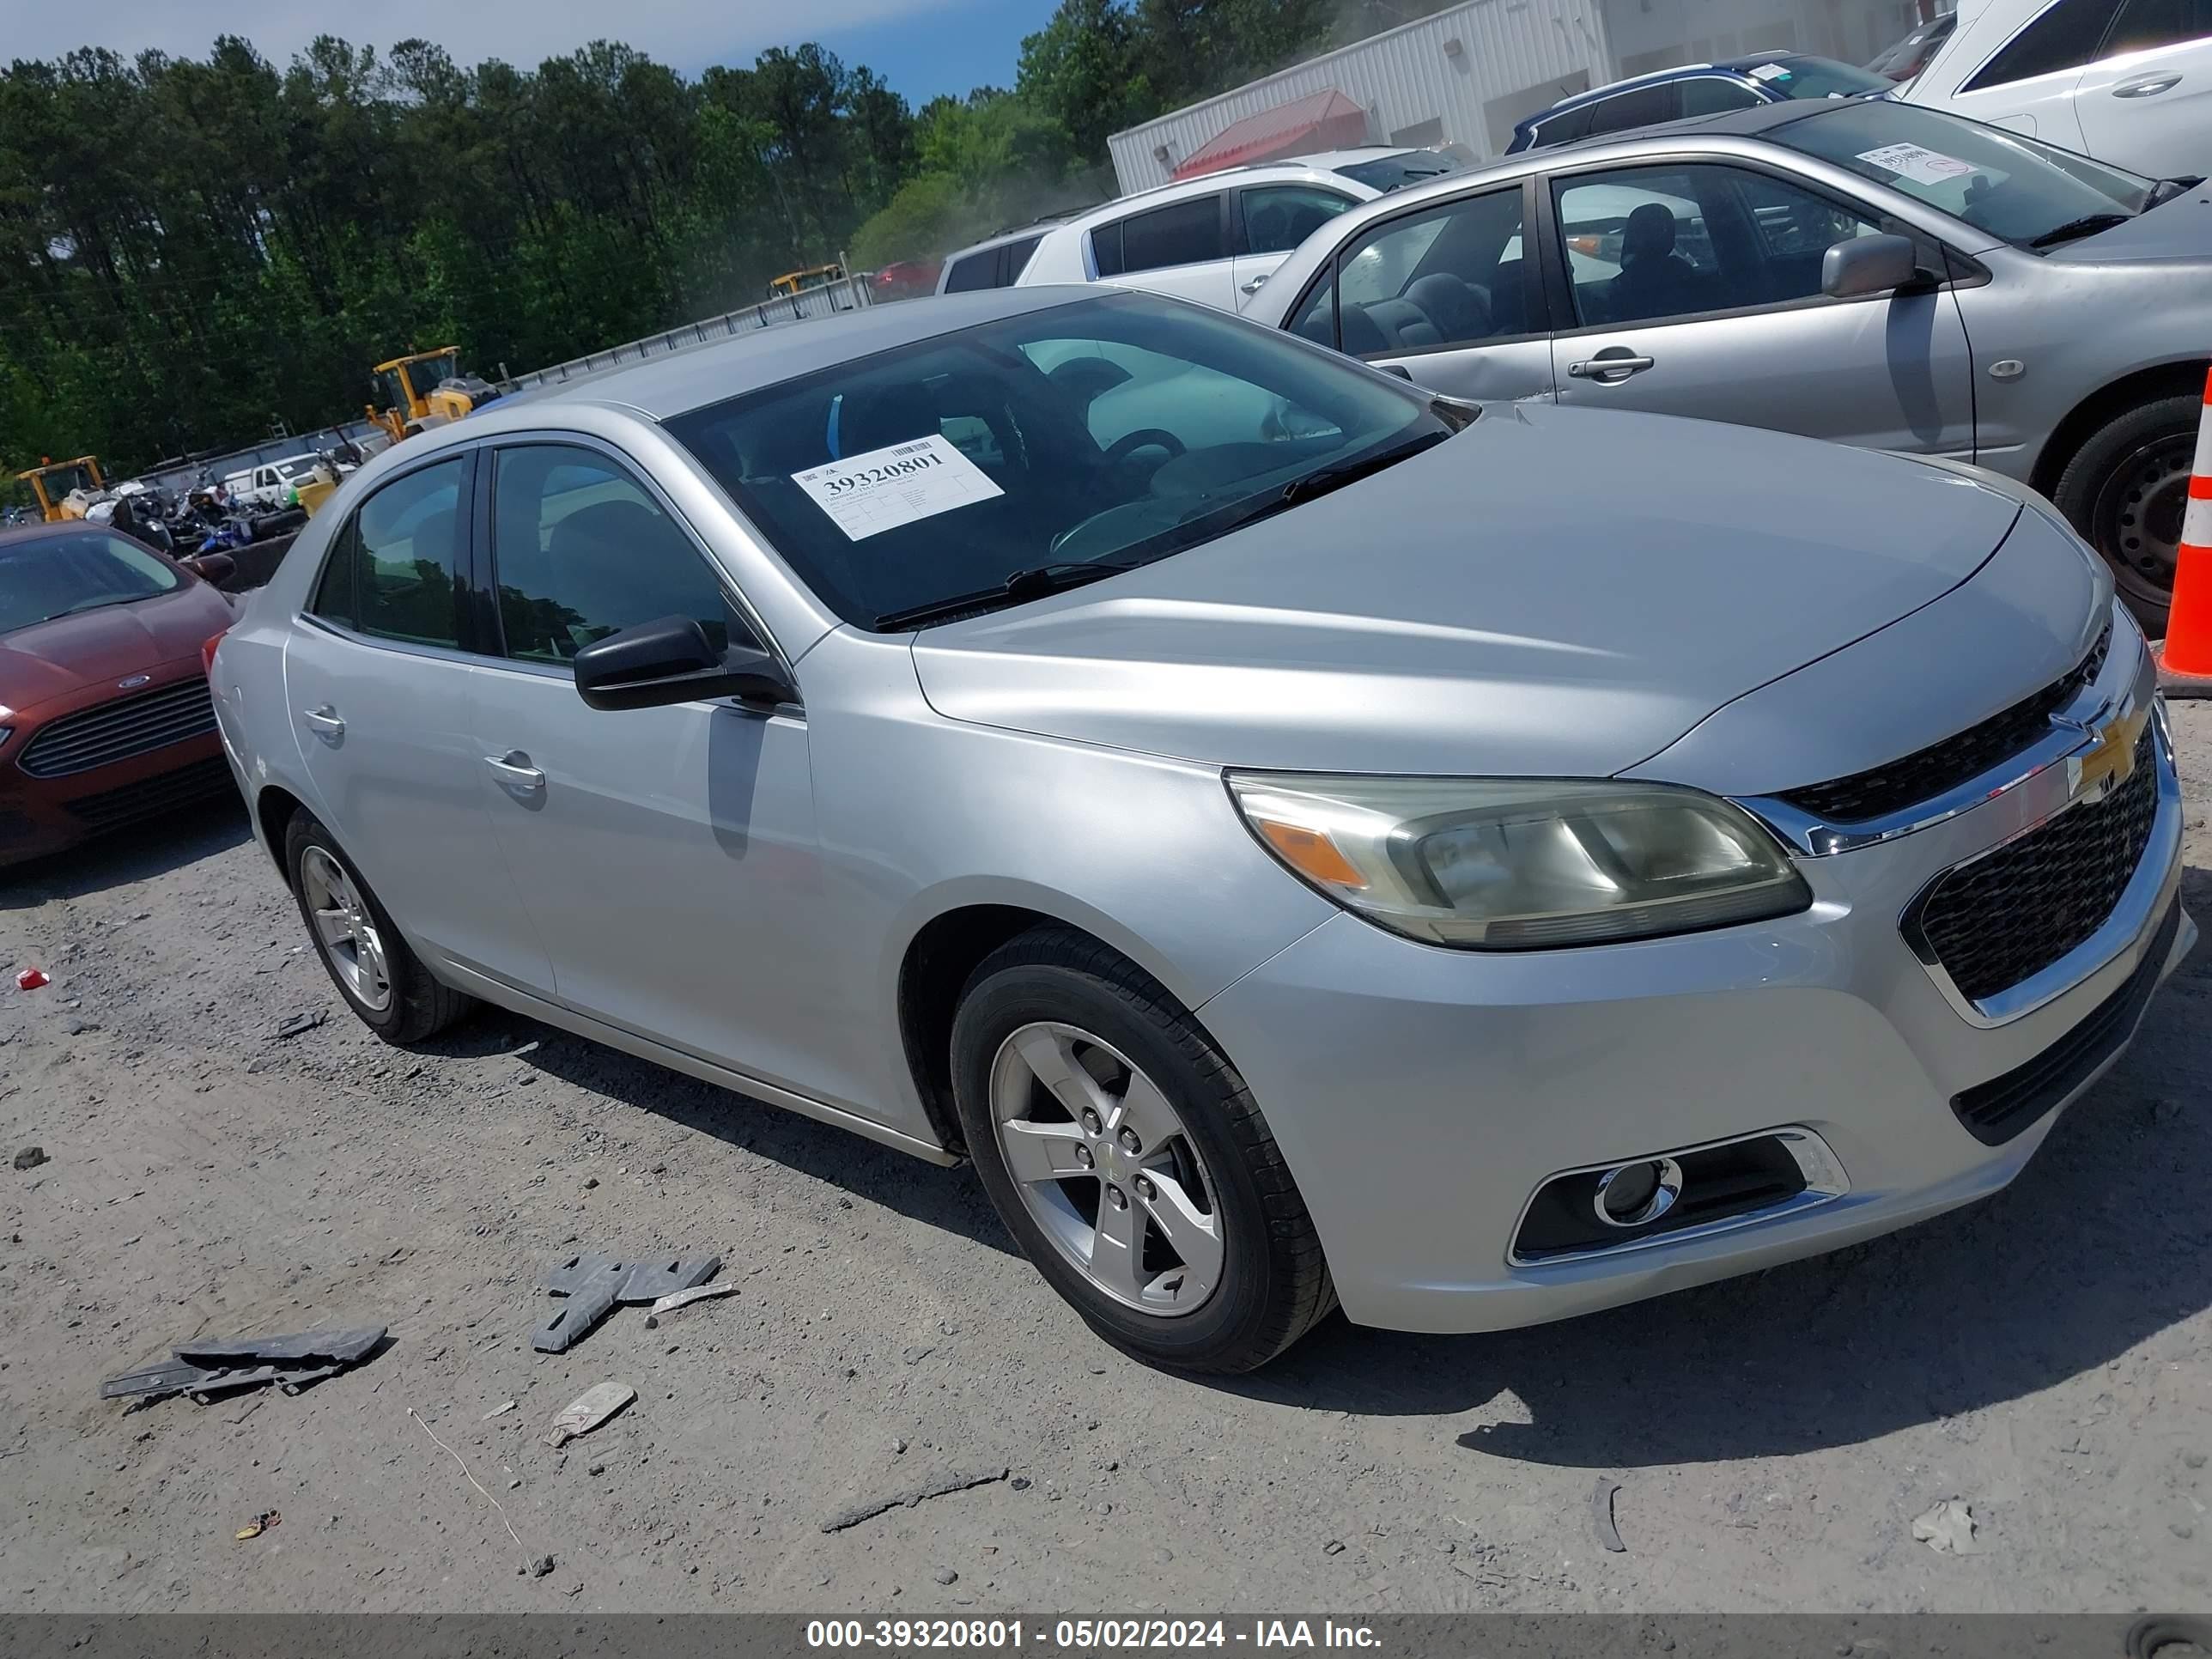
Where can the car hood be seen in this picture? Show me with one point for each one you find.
(1554, 591)
(53, 659)
(2179, 230)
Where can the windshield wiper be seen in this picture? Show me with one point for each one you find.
(101, 604)
(1032, 583)
(1345, 472)
(2088, 225)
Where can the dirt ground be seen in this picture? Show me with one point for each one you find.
(2047, 1357)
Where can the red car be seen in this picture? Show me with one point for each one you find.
(104, 709)
(908, 279)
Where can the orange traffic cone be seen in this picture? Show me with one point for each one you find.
(2184, 655)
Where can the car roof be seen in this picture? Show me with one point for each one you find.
(1321, 165)
(664, 387)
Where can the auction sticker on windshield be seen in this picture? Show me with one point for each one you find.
(866, 495)
(1923, 166)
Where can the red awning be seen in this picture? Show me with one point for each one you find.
(1320, 120)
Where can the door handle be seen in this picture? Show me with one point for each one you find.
(1604, 369)
(514, 771)
(2145, 86)
(1255, 285)
(325, 721)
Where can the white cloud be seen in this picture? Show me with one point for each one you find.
(687, 33)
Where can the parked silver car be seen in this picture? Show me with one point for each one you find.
(1306, 839)
(1867, 272)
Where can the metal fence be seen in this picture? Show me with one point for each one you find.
(186, 475)
(847, 293)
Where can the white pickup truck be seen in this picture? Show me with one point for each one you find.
(268, 487)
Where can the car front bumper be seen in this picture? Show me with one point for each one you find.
(1422, 1096)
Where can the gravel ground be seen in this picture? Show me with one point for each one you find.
(2046, 1357)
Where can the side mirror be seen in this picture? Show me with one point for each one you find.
(216, 567)
(669, 660)
(1868, 265)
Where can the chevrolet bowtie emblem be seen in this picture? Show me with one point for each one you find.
(2109, 762)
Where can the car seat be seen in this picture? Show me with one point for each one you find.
(1656, 278)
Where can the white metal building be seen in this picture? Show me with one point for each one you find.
(1467, 74)
(1463, 75)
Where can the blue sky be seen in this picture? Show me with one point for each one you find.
(968, 44)
(922, 47)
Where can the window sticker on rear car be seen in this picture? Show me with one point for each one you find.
(1768, 72)
(866, 495)
(1923, 166)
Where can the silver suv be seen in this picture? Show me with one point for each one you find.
(1306, 841)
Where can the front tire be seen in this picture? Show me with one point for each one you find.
(381, 979)
(1127, 1158)
(2125, 491)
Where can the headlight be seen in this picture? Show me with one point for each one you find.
(6, 733)
(1517, 865)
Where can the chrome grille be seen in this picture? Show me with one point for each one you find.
(2007, 916)
(117, 731)
(1927, 772)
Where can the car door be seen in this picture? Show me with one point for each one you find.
(2028, 84)
(379, 672)
(1269, 222)
(1444, 293)
(2145, 103)
(1180, 248)
(1694, 289)
(668, 856)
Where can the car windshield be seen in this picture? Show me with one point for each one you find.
(50, 576)
(1391, 173)
(2025, 192)
(1109, 431)
(1796, 76)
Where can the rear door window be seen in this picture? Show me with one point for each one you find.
(1709, 94)
(1642, 106)
(1180, 234)
(2146, 25)
(2064, 37)
(973, 270)
(1278, 217)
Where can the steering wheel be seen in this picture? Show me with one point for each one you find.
(1145, 437)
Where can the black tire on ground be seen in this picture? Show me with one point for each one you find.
(420, 1005)
(1275, 1283)
(2109, 492)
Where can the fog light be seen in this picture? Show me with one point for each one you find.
(1637, 1194)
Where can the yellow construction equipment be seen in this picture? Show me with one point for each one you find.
(426, 389)
(793, 283)
(54, 482)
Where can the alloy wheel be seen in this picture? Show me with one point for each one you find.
(345, 931)
(1106, 1168)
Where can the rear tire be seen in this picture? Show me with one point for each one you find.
(1213, 1207)
(2126, 490)
(383, 982)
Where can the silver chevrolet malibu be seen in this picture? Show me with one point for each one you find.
(1308, 842)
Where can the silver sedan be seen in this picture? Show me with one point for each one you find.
(1307, 841)
(1869, 271)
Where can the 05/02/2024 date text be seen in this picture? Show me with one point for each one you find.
(1084, 1635)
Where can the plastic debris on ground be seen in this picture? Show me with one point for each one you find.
(587, 1411)
(591, 1286)
(1949, 1527)
(206, 1367)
